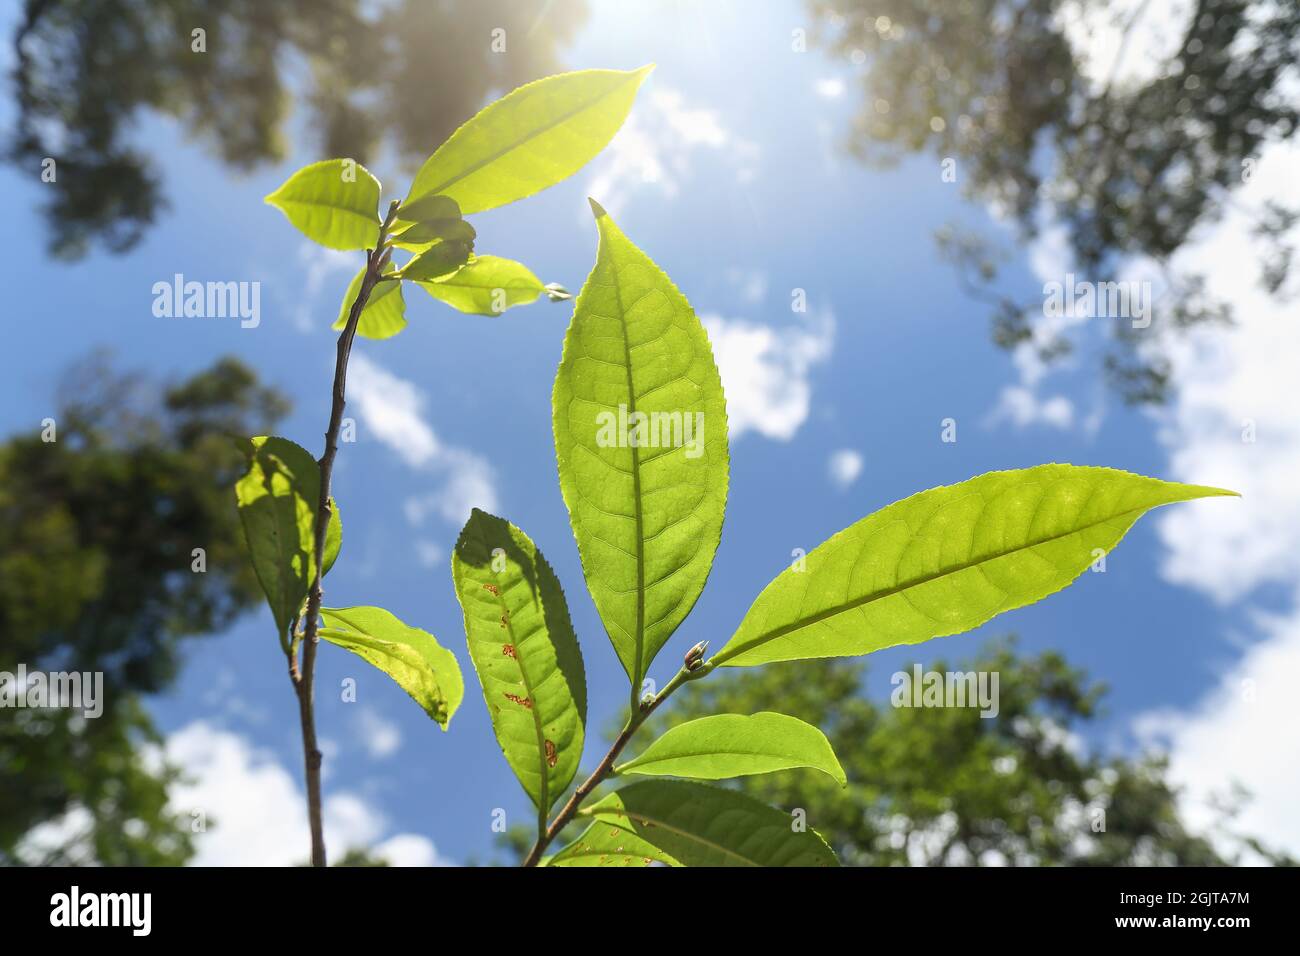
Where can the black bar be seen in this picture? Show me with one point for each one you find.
(333, 906)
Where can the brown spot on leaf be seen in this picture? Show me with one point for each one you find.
(552, 755)
(521, 701)
(493, 589)
(505, 619)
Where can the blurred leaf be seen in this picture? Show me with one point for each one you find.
(532, 138)
(946, 560)
(733, 745)
(525, 653)
(413, 658)
(647, 519)
(334, 203)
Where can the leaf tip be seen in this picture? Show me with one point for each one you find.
(1211, 491)
(597, 209)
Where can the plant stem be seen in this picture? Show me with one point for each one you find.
(634, 721)
(304, 677)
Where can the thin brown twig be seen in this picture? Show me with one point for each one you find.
(634, 722)
(304, 677)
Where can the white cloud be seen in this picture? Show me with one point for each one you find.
(409, 849)
(1230, 381)
(322, 265)
(67, 837)
(831, 88)
(254, 809)
(1023, 406)
(429, 553)
(1239, 734)
(1096, 33)
(379, 735)
(656, 147)
(844, 467)
(469, 483)
(750, 284)
(765, 370)
(392, 409)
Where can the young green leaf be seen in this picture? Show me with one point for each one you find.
(602, 845)
(427, 208)
(385, 312)
(697, 825)
(486, 285)
(535, 137)
(333, 537)
(525, 652)
(733, 745)
(641, 440)
(946, 560)
(277, 501)
(413, 658)
(439, 260)
(422, 233)
(334, 203)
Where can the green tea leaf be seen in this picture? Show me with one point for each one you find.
(334, 203)
(532, 138)
(946, 560)
(439, 260)
(733, 745)
(692, 824)
(429, 219)
(385, 312)
(641, 439)
(413, 658)
(432, 231)
(486, 285)
(277, 500)
(429, 207)
(525, 652)
(333, 537)
(609, 846)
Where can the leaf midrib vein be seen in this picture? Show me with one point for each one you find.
(489, 160)
(535, 710)
(639, 635)
(652, 821)
(881, 595)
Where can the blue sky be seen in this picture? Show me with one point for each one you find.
(732, 178)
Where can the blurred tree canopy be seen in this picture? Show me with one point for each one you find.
(947, 787)
(403, 74)
(1128, 167)
(97, 532)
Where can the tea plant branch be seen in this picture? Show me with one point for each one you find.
(303, 676)
(637, 717)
